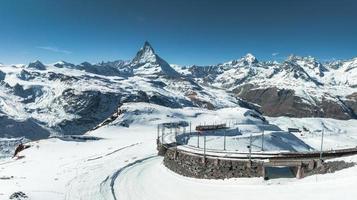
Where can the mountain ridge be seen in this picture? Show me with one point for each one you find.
(64, 98)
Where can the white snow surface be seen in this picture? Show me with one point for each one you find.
(122, 164)
(115, 162)
(35, 93)
(47, 105)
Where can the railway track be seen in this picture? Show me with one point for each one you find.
(264, 155)
(169, 141)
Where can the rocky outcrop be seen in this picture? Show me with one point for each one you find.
(91, 107)
(36, 65)
(351, 103)
(17, 128)
(276, 102)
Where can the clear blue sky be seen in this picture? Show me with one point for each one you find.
(181, 31)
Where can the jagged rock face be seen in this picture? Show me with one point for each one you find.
(91, 107)
(351, 103)
(146, 62)
(29, 128)
(37, 65)
(72, 99)
(65, 98)
(309, 64)
(276, 102)
(2, 76)
(298, 86)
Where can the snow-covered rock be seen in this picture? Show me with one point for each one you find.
(36, 65)
(65, 98)
(147, 63)
(316, 89)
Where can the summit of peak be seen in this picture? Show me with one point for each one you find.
(145, 54)
(250, 58)
(146, 62)
(36, 65)
(36, 62)
(293, 57)
(148, 46)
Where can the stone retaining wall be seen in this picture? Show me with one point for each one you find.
(210, 168)
(198, 166)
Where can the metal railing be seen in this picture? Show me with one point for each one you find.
(214, 142)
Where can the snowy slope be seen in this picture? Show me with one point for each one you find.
(337, 133)
(323, 89)
(37, 100)
(147, 63)
(136, 182)
(122, 164)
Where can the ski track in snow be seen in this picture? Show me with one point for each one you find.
(150, 180)
(81, 188)
(114, 176)
(99, 157)
(123, 165)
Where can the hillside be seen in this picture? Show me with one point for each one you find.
(38, 100)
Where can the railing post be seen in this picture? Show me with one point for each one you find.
(158, 131)
(250, 148)
(263, 141)
(322, 142)
(224, 144)
(198, 139)
(204, 148)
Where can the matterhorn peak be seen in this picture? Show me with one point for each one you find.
(145, 54)
(148, 48)
(146, 62)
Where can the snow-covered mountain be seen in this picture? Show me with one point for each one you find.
(147, 63)
(37, 100)
(297, 87)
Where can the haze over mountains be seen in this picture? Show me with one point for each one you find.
(37, 100)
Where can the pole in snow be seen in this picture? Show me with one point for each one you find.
(162, 134)
(322, 142)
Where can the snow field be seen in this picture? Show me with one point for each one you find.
(121, 164)
(151, 180)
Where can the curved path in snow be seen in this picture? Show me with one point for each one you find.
(150, 180)
(95, 176)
